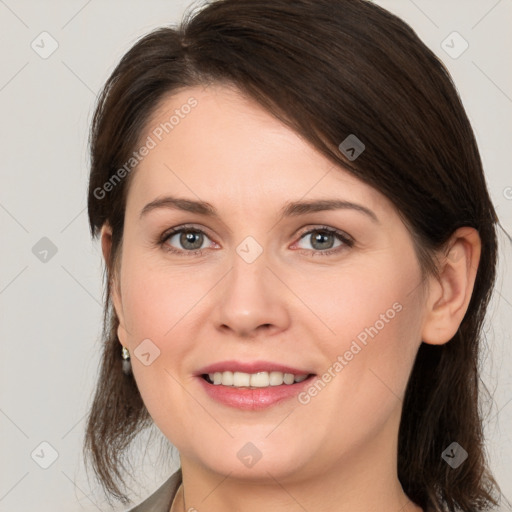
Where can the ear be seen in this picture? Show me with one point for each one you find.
(449, 297)
(115, 288)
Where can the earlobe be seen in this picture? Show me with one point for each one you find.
(449, 297)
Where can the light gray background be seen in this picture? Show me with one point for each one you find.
(51, 311)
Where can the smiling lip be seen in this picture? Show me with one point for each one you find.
(252, 398)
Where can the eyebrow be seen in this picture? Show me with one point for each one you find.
(290, 209)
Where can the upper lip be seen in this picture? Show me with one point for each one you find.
(250, 367)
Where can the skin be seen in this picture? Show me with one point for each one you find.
(338, 452)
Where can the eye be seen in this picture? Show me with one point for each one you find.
(323, 239)
(189, 240)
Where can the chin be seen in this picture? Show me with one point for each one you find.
(255, 461)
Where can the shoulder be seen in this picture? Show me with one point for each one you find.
(161, 499)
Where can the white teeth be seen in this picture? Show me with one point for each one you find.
(259, 380)
(276, 378)
(288, 378)
(227, 378)
(255, 380)
(240, 379)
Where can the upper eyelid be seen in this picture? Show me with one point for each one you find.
(172, 231)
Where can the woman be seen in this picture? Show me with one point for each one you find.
(300, 249)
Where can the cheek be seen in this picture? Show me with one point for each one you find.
(368, 367)
(157, 300)
(372, 320)
(362, 302)
(158, 307)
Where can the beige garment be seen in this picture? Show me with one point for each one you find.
(164, 497)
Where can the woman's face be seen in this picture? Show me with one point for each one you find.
(261, 285)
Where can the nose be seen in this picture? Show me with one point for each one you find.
(252, 300)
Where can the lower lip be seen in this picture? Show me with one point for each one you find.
(253, 399)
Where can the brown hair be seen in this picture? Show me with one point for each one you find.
(327, 69)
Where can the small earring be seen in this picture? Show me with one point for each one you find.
(127, 365)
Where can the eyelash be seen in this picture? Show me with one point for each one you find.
(347, 241)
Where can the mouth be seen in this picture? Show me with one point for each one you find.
(252, 386)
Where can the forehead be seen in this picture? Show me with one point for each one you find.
(215, 143)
